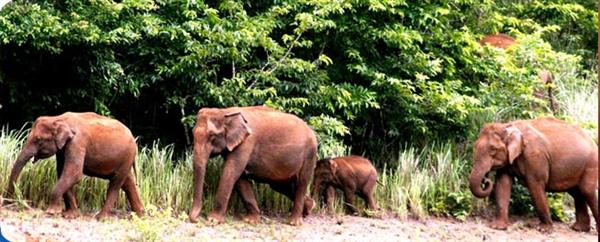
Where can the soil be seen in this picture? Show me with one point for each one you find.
(34, 225)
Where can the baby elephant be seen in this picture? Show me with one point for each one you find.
(352, 174)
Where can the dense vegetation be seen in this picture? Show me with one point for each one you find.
(403, 82)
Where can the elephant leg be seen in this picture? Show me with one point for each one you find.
(502, 192)
(303, 204)
(349, 201)
(232, 170)
(582, 218)
(115, 183)
(130, 189)
(309, 205)
(538, 195)
(71, 210)
(71, 172)
(330, 198)
(368, 192)
(244, 188)
(588, 188)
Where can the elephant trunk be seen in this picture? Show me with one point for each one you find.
(22, 159)
(478, 177)
(200, 158)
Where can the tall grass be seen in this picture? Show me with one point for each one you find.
(577, 96)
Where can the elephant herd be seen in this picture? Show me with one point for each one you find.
(265, 145)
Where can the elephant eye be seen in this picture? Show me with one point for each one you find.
(493, 150)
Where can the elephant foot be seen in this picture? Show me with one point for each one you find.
(139, 213)
(545, 228)
(214, 218)
(53, 210)
(581, 227)
(499, 225)
(251, 218)
(194, 217)
(309, 205)
(296, 221)
(102, 215)
(70, 214)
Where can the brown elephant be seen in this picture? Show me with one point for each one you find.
(351, 174)
(256, 143)
(501, 41)
(84, 143)
(545, 154)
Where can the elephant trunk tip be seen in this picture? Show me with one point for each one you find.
(25, 155)
(477, 189)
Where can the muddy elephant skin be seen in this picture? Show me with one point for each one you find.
(351, 174)
(544, 154)
(84, 143)
(257, 143)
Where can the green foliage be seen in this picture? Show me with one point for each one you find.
(329, 133)
(389, 71)
(456, 204)
(153, 224)
(556, 202)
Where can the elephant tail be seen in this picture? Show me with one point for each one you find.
(134, 172)
(135, 177)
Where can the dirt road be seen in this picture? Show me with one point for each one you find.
(34, 225)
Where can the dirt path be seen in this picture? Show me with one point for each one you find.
(35, 226)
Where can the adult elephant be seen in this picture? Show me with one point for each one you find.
(545, 155)
(84, 143)
(257, 143)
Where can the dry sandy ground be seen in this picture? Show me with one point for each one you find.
(34, 225)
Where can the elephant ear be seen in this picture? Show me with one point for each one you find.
(514, 142)
(236, 129)
(62, 134)
(333, 166)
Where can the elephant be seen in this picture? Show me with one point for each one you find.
(504, 41)
(501, 41)
(84, 143)
(544, 154)
(257, 143)
(352, 174)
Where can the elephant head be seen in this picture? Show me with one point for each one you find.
(46, 138)
(325, 171)
(498, 145)
(217, 131)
